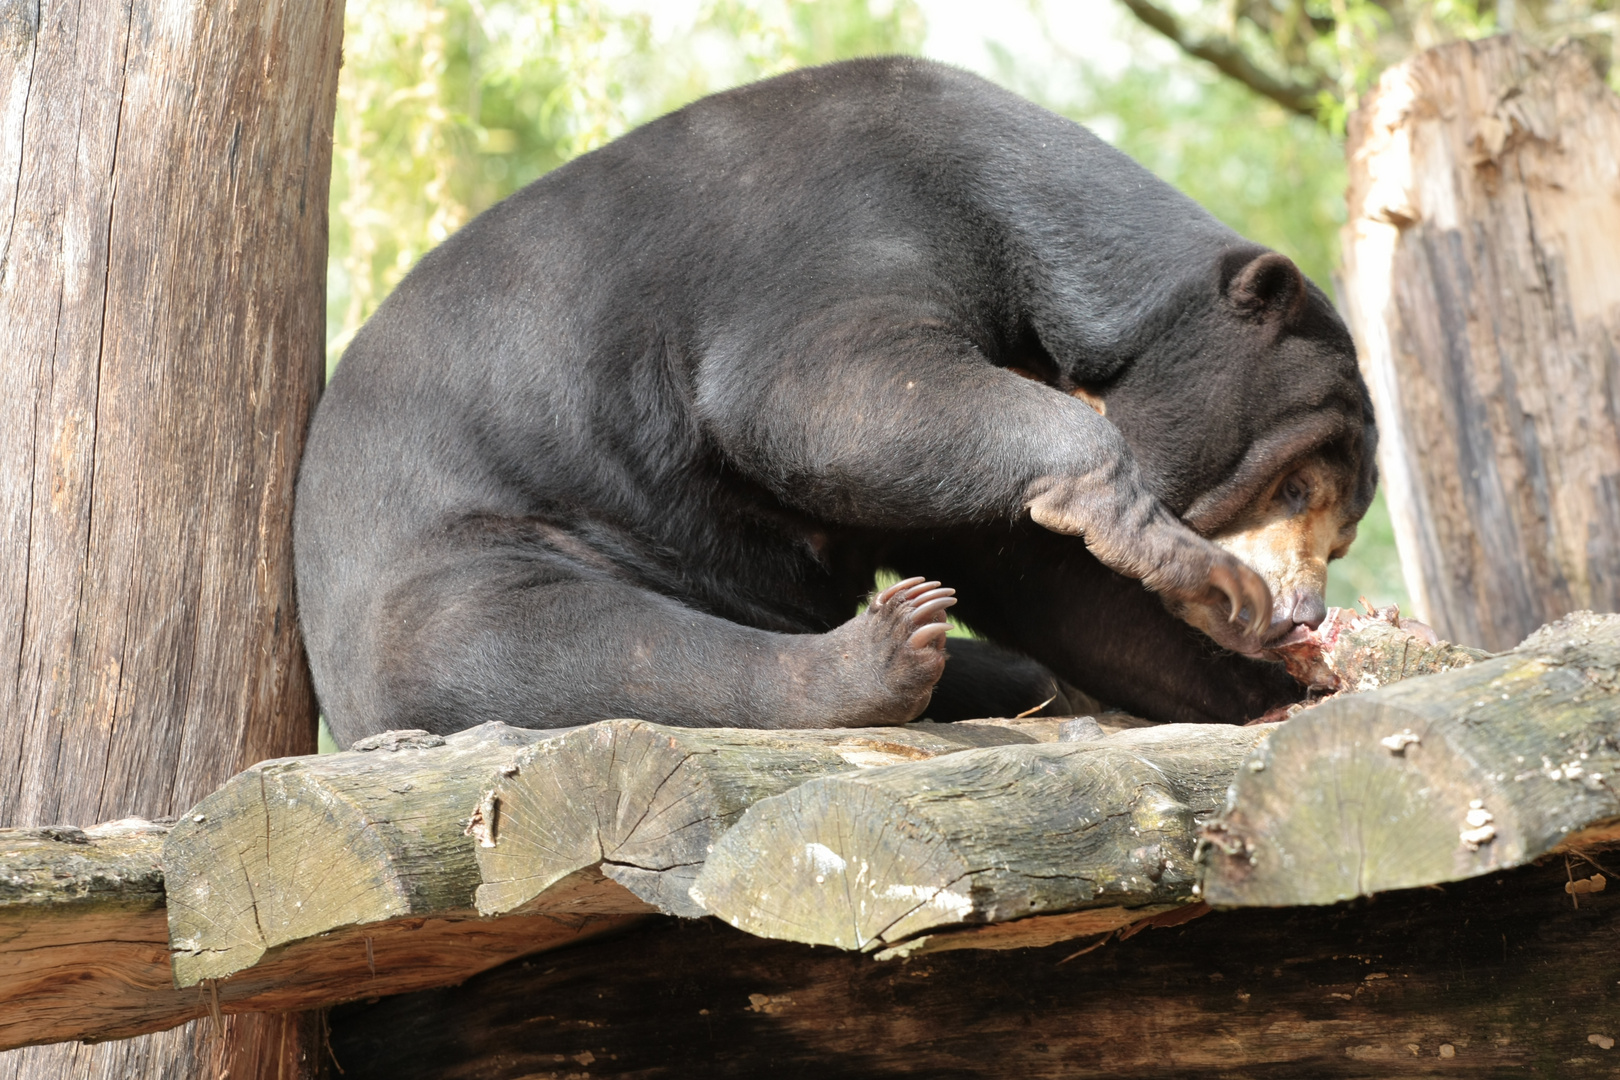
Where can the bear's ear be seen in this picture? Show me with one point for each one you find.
(1268, 286)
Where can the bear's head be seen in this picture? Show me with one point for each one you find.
(1250, 418)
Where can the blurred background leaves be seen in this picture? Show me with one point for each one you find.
(447, 106)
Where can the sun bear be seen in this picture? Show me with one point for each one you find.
(636, 441)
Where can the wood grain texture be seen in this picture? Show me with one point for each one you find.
(647, 803)
(163, 189)
(84, 947)
(1431, 780)
(294, 848)
(866, 860)
(1499, 976)
(83, 934)
(1482, 278)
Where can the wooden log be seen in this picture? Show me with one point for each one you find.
(83, 934)
(1355, 652)
(84, 945)
(1482, 280)
(293, 850)
(257, 923)
(1432, 779)
(646, 803)
(1494, 977)
(867, 860)
(164, 168)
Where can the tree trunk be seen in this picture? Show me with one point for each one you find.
(162, 269)
(1482, 276)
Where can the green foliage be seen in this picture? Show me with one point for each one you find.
(1317, 57)
(446, 107)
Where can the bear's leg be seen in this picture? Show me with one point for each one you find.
(896, 425)
(535, 653)
(1050, 599)
(982, 679)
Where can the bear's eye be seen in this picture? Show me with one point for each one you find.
(1294, 491)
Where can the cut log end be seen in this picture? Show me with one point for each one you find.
(299, 847)
(646, 803)
(1428, 781)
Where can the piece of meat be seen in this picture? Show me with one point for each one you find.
(1355, 651)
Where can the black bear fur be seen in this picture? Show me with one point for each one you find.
(635, 441)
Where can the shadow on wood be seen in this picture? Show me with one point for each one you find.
(1498, 975)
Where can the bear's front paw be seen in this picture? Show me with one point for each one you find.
(1224, 598)
(1243, 593)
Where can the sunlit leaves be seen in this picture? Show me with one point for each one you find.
(447, 106)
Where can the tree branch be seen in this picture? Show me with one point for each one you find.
(1230, 59)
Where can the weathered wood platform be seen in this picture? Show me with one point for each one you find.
(1496, 977)
(415, 861)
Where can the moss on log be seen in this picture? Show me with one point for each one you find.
(866, 860)
(1430, 780)
(646, 803)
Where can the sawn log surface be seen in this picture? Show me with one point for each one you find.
(868, 859)
(1432, 779)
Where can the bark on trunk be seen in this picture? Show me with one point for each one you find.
(164, 170)
(1482, 277)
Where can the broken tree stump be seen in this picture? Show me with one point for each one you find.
(646, 803)
(1482, 281)
(1430, 780)
(869, 859)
